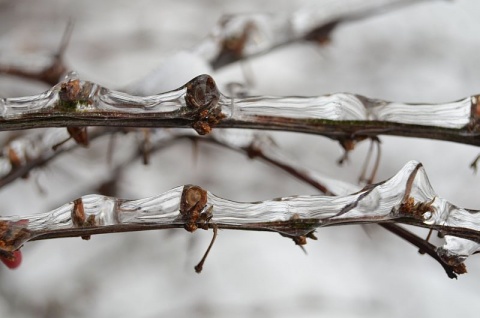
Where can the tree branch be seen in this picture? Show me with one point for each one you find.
(241, 36)
(199, 104)
(405, 198)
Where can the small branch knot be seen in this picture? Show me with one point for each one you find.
(202, 98)
(13, 235)
(74, 92)
(420, 210)
(192, 204)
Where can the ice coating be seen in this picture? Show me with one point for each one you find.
(330, 107)
(405, 198)
(18, 106)
(76, 102)
(163, 103)
(448, 115)
(199, 103)
(34, 146)
(456, 250)
(75, 95)
(350, 107)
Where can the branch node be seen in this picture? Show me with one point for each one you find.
(455, 262)
(348, 144)
(419, 210)
(232, 47)
(202, 98)
(12, 235)
(192, 203)
(74, 93)
(79, 218)
(322, 34)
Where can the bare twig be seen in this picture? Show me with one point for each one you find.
(50, 74)
(26, 153)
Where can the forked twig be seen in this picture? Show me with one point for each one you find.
(50, 74)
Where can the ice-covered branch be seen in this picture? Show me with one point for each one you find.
(200, 104)
(81, 103)
(255, 145)
(244, 35)
(24, 153)
(405, 198)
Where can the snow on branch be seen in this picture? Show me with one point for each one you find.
(405, 198)
(199, 104)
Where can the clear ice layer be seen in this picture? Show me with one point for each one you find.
(407, 198)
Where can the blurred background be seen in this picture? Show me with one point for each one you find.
(426, 52)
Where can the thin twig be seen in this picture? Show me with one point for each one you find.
(268, 154)
(50, 74)
(291, 216)
(42, 154)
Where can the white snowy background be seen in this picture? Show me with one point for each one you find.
(427, 52)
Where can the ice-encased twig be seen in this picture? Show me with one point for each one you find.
(260, 145)
(239, 36)
(75, 102)
(199, 104)
(450, 257)
(24, 153)
(405, 198)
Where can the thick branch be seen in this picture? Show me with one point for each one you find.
(199, 104)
